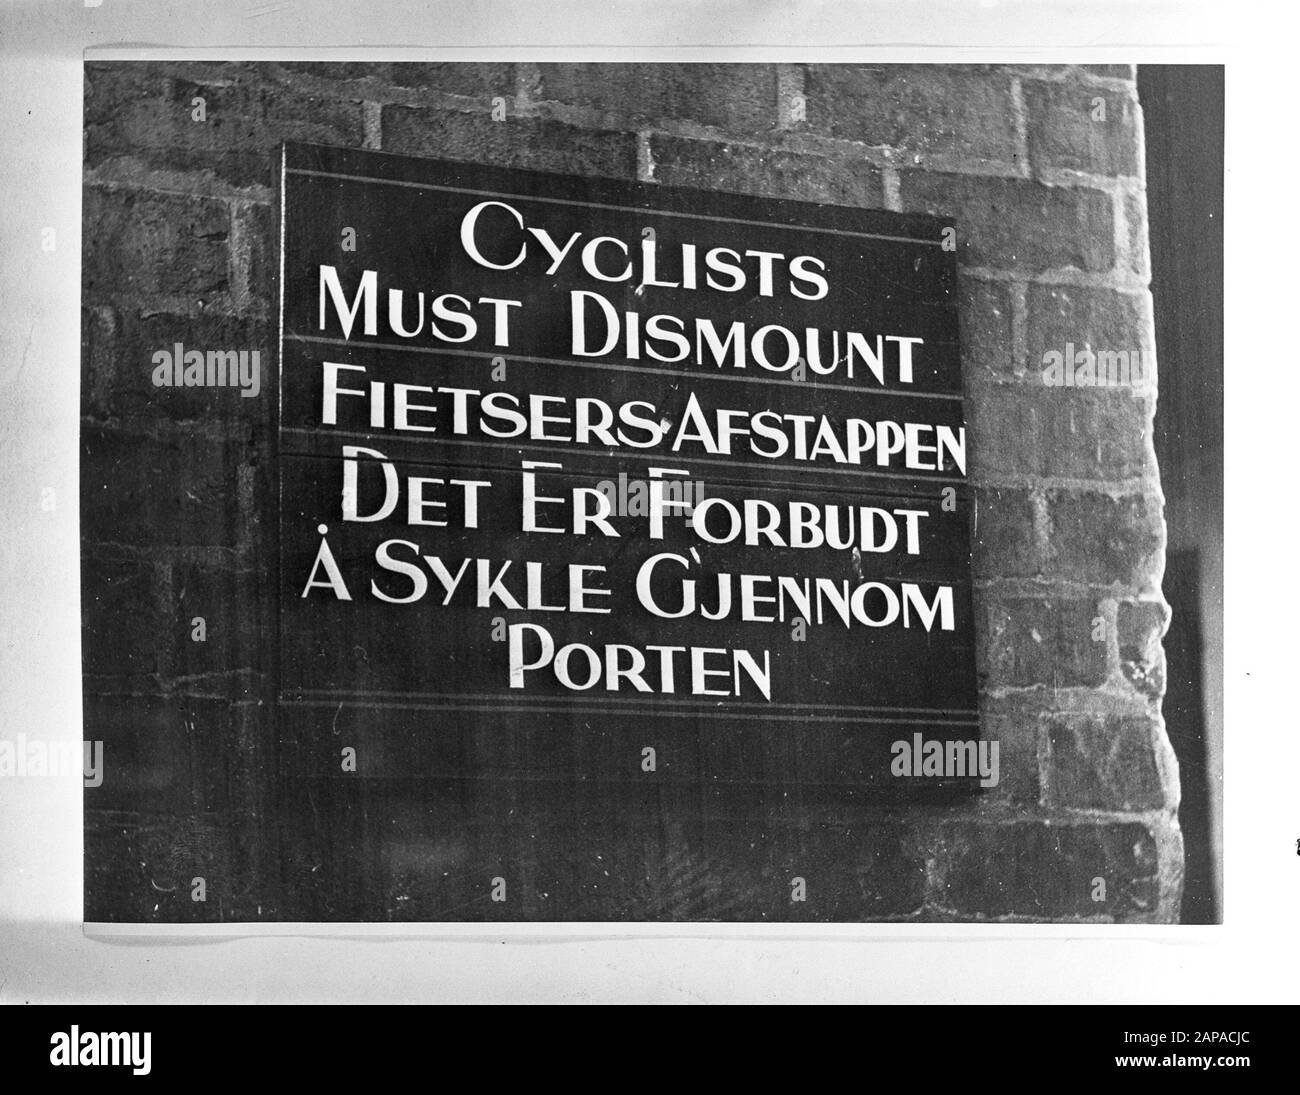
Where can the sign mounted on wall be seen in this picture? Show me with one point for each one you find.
(576, 471)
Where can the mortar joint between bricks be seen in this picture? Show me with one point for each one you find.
(239, 247)
(892, 190)
(1120, 281)
(1109, 607)
(185, 184)
(790, 82)
(221, 306)
(645, 160)
(1068, 178)
(946, 164)
(1085, 816)
(1019, 294)
(1019, 116)
(372, 124)
(1053, 589)
(1042, 524)
(805, 143)
(1114, 489)
(1064, 700)
(371, 89)
(528, 77)
(1043, 757)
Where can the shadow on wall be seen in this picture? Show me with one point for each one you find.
(1183, 112)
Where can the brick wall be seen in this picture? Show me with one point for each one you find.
(177, 487)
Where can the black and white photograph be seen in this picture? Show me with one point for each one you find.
(643, 492)
(595, 501)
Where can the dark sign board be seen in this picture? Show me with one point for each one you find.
(594, 480)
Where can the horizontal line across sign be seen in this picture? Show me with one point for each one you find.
(490, 355)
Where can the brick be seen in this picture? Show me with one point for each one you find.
(137, 619)
(889, 873)
(735, 97)
(1104, 763)
(1100, 540)
(917, 109)
(1138, 256)
(137, 244)
(1083, 75)
(185, 779)
(1101, 320)
(147, 491)
(1019, 782)
(121, 616)
(1116, 72)
(517, 142)
(1005, 543)
(771, 173)
(1032, 642)
(1043, 870)
(234, 604)
(1065, 134)
(118, 345)
(146, 114)
(258, 225)
(162, 754)
(1075, 433)
(456, 78)
(318, 119)
(337, 70)
(1140, 626)
(1016, 224)
(984, 310)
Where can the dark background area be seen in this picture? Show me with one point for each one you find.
(1182, 107)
